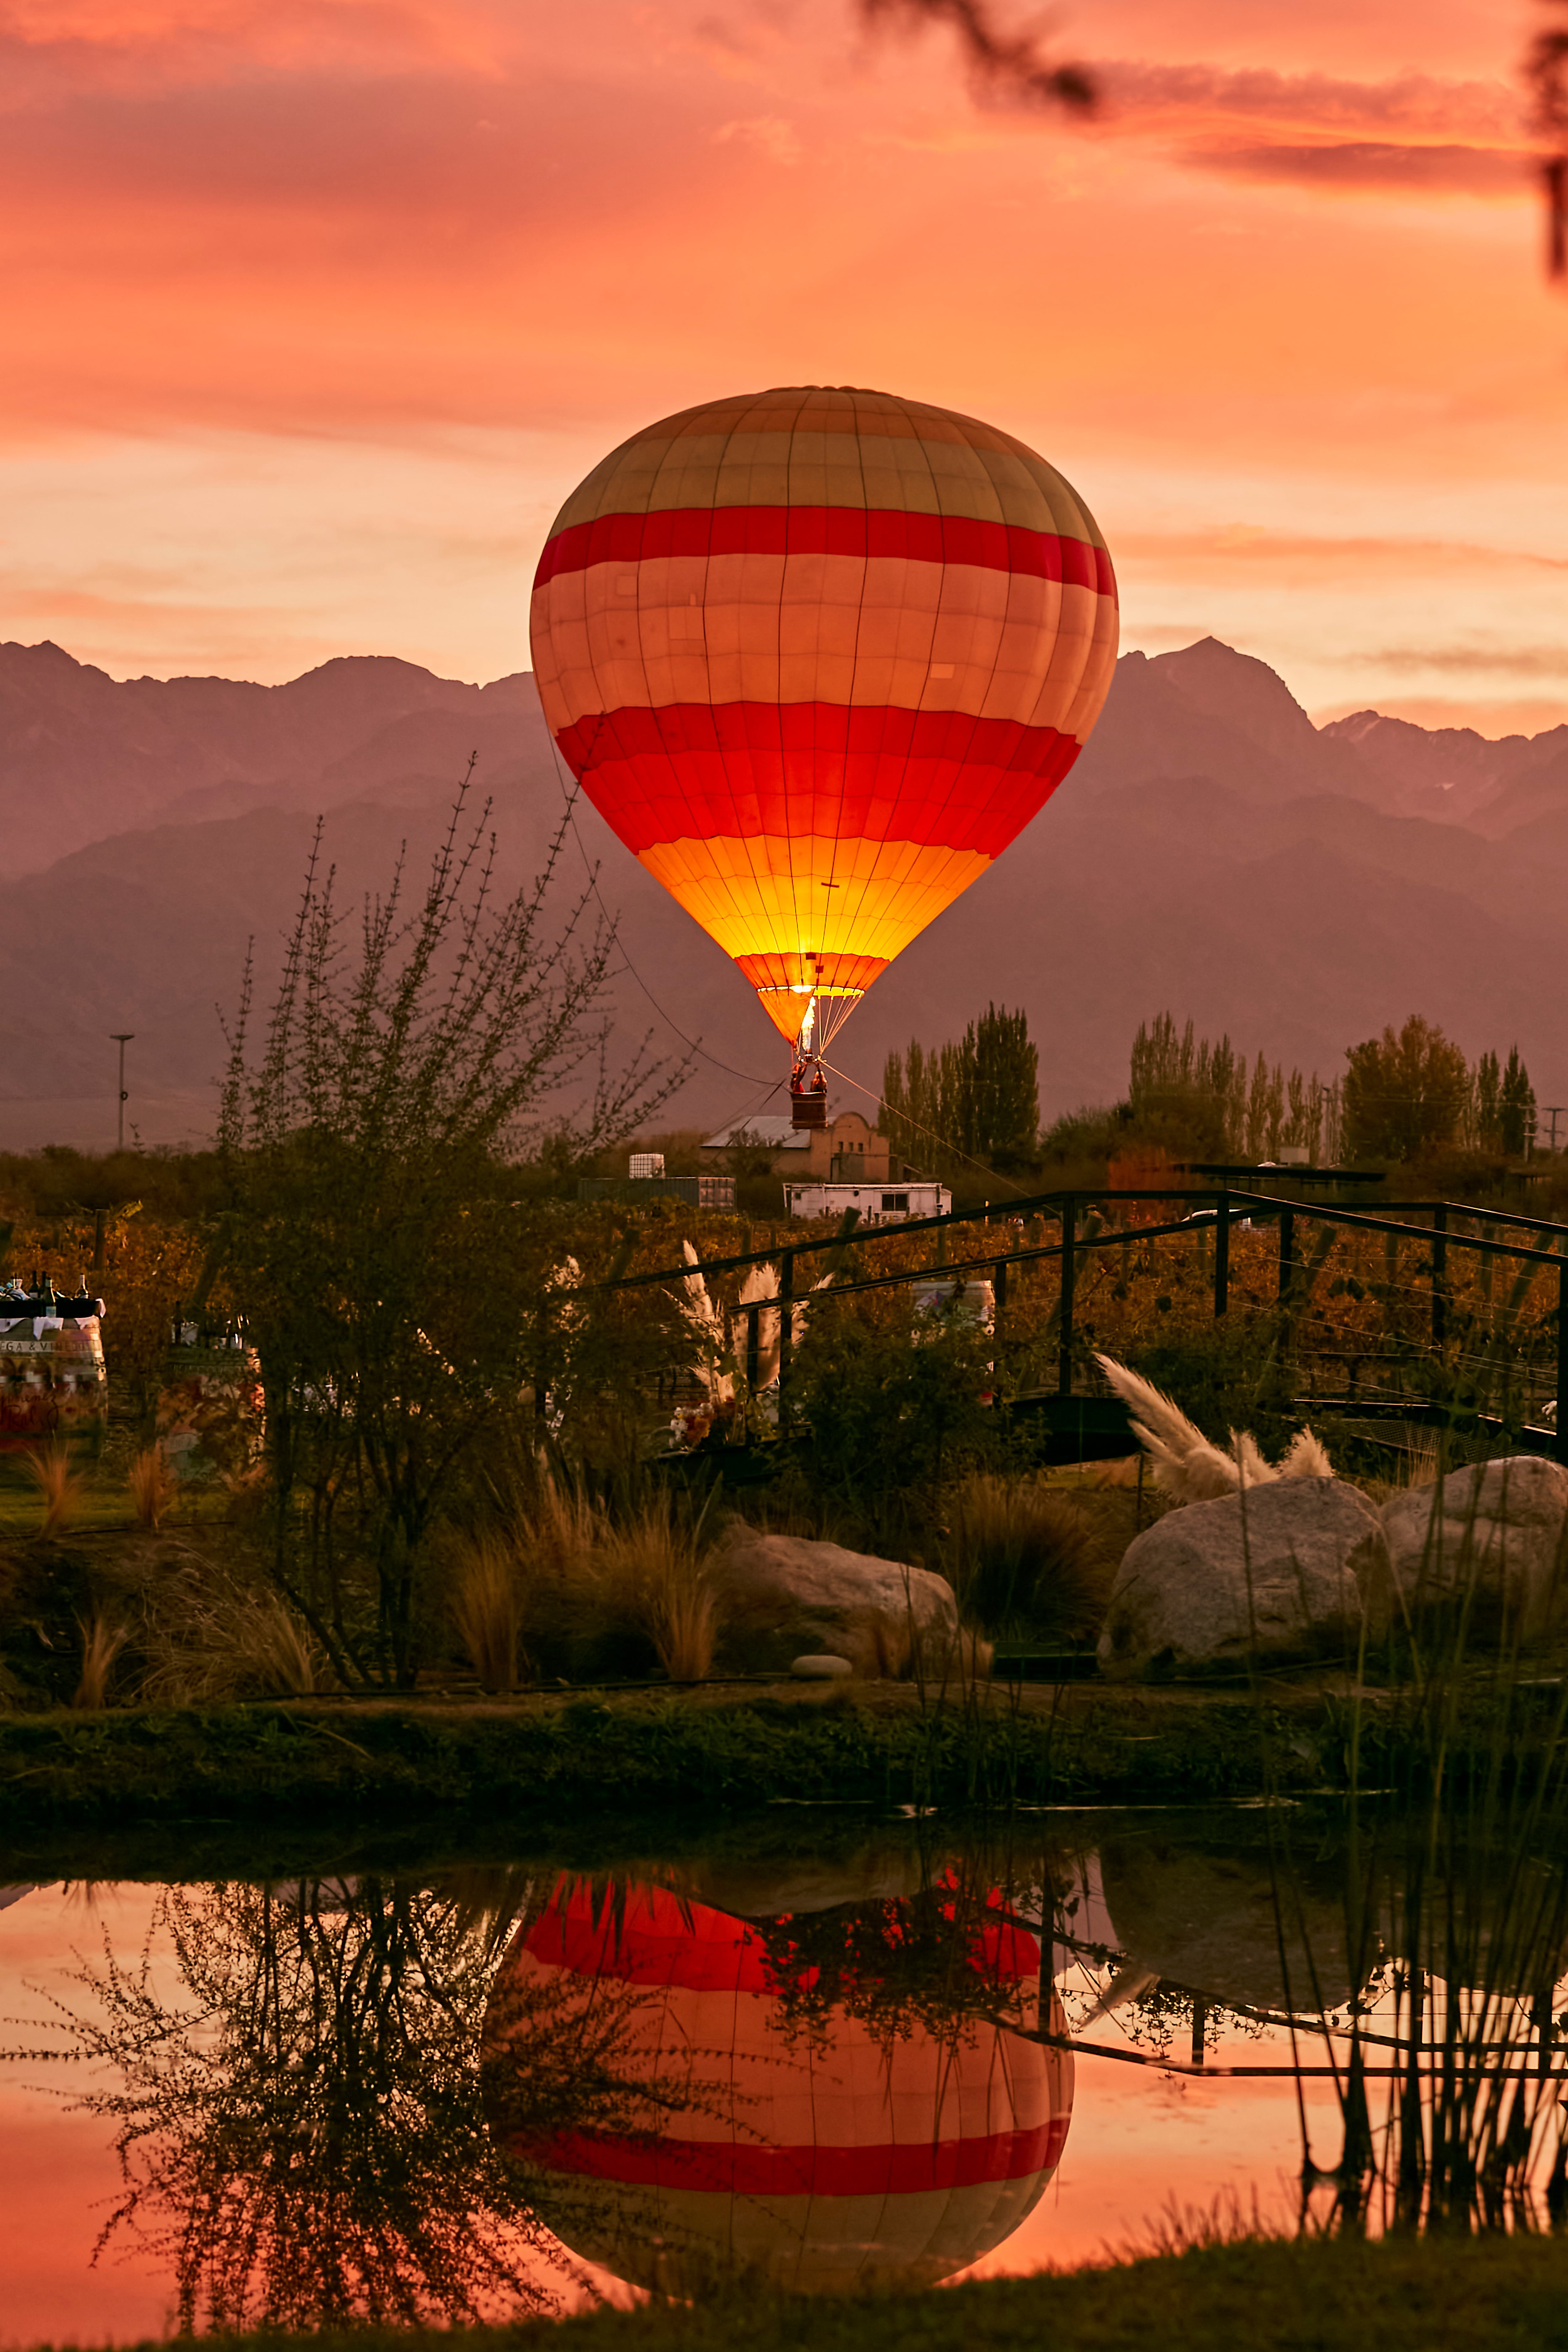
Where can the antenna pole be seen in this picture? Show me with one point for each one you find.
(122, 1037)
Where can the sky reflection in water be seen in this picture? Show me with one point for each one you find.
(464, 2090)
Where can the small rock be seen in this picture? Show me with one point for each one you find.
(1493, 1531)
(1293, 1569)
(820, 1670)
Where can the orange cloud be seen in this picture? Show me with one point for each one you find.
(148, 42)
(490, 241)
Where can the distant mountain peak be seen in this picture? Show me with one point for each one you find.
(1241, 690)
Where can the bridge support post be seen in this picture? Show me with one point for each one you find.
(1287, 1254)
(1070, 1240)
(786, 1330)
(1561, 1359)
(1439, 1277)
(1222, 1256)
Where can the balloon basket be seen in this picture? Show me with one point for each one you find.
(808, 1110)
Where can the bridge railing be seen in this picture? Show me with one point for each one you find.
(1435, 1304)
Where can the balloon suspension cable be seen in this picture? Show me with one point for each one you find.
(568, 793)
(952, 1149)
(736, 1124)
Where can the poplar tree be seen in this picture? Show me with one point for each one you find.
(1516, 1106)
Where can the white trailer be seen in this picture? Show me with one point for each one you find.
(879, 1204)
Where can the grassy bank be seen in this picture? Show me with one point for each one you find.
(716, 1748)
(635, 1750)
(1317, 2295)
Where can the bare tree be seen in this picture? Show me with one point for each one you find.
(388, 1280)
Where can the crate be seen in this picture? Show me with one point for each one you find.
(697, 1191)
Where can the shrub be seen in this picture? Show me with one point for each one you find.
(487, 1610)
(1228, 1375)
(389, 1275)
(611, 1594)
(153, 1488)
(661, 1566)
(888, 1408)
(101, 1645)
(1022, 1555)
(203, 1633)
(273, 1649)
(59, 1487)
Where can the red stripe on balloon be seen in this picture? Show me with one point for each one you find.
(696, 771)
(659, 1941)
(746, 2169)
(652, 1945)
(829, 971)
(827, 530)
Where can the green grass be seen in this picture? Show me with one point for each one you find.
(707, 1748)
(646, 1749)
(1318, 2295)
(104, 1505)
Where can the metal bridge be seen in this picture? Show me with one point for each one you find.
(1374, 1317)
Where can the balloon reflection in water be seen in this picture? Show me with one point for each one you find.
(820, 2147)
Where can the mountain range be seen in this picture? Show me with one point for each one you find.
(1213, 853)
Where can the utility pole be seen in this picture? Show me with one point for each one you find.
(1553, 1112)
(122, 1037)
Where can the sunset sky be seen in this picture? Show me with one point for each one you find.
(317, 310)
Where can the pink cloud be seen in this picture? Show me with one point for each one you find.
(405, 222)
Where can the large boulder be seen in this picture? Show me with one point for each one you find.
(1293, 1570)
(1492, 1534)
(780, 1596)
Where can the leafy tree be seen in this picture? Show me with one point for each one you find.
(889, 1405)
(397, 1296)
(1197, 1093)
(975, 1099)
(1405, 1092)
(1005, 1064)
(1516, 1106)
(1487, 1104)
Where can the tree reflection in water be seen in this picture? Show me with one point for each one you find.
(363, 2100)
(301, 2134)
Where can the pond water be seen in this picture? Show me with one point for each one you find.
(824, 2047)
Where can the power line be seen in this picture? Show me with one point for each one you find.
(942, 1140)
(570, 797)
(569, 794)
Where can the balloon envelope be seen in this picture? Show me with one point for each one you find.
(822, 2154)
(818, 655)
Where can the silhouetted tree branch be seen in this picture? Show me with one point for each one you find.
(1546, 68)
(1014, 63)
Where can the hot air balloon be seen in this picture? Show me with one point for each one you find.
(816, 656)
(821, 2155)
